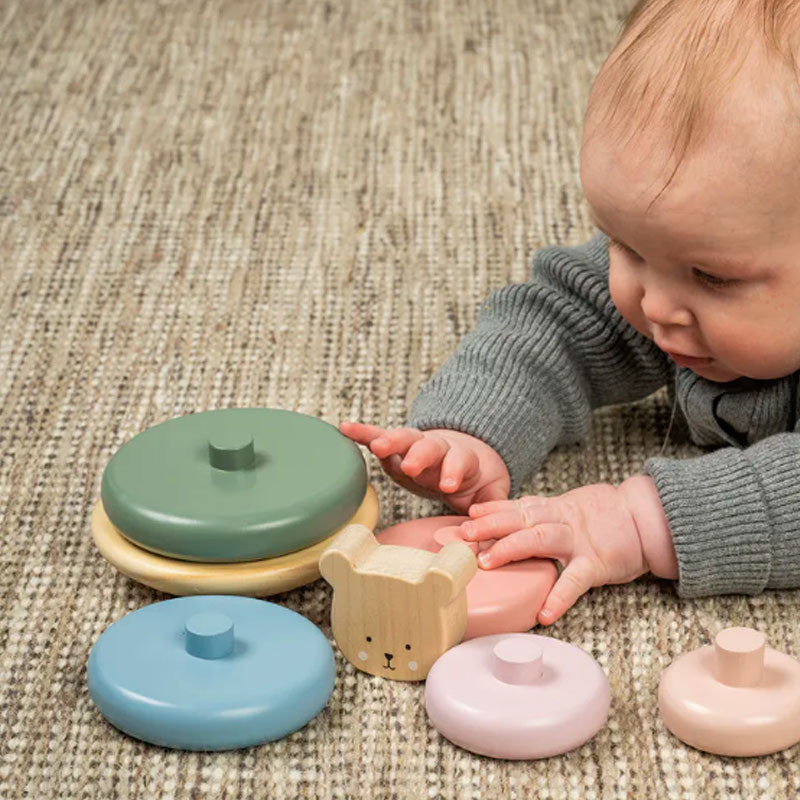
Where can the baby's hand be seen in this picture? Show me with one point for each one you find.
(590, 530)
(442, 464)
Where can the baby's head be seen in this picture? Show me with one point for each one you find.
(690, 162)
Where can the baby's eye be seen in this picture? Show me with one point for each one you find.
(712, 281)
(369, 638)
(408, 647)
(624, 248)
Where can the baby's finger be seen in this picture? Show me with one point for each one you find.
(574, 581)
(484, 508)
(458, 464)
(359, 432)
(391, 466)
(452, 533)
(502, 523)
(424, 454)
(490, 507)
(395, 440)
(548, 540)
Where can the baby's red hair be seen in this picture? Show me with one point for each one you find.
(674, 58)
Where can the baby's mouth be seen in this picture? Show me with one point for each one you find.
(689, 361)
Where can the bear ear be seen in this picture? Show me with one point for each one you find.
(450, 571)
(352, 546)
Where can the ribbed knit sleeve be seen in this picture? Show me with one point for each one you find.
(734, 516)
(542, 355)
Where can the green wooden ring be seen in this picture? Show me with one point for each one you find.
(234, 485)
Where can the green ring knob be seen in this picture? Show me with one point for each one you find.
(231, 452)
(209, 635)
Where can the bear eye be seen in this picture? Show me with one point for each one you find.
(408, 647)
(369, 638)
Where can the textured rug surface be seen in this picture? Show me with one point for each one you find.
(297, 205)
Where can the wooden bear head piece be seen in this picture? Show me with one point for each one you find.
(396, 609)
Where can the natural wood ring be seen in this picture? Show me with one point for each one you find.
(252, 578)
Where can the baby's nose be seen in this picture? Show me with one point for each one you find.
(661, 308)
(389, 656)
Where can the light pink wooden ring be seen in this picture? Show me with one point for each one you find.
(517, 696)
(737, 697)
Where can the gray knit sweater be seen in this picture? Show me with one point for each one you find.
(545, 353)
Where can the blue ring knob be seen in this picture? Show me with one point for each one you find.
(209, 635)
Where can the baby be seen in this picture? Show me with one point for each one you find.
(690, 164)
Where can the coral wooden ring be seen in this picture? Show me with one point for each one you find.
(503, 600)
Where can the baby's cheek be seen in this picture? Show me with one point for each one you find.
(739, 342)
(746, 344)
(626, 296)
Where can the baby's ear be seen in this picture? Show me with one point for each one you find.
(352, 546)
(450, 571)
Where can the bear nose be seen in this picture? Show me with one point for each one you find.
(389, 656)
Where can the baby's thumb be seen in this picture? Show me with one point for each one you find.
(494, 491)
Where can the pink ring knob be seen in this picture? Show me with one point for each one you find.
(517, 660)
(739, 656)
(450, 534)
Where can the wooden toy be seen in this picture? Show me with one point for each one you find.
(211, 672)
(737, 697)
(503, 600)
(517, 696)
(254, 578)
(395, 609)
(237, 501)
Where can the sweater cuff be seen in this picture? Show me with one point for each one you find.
(720, 522)
(481, 408)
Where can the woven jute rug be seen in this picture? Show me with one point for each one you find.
(297, 205)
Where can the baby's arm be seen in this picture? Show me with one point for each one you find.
(655, 537)
(734, 516)
(722, 523)
(601, 534)
(541, 357)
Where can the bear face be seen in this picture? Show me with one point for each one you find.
(396, 609)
